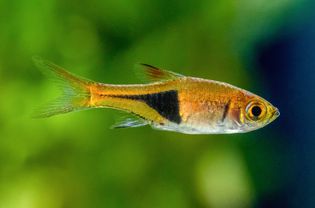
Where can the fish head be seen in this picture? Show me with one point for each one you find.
(252, 112)
(258, 112)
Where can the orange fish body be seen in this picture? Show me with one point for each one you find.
(172, 102)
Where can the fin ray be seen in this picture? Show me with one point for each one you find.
(129, 122)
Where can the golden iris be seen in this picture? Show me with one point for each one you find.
(255, 110)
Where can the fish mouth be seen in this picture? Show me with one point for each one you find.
(275, 114)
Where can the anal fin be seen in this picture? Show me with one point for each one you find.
(129, 122)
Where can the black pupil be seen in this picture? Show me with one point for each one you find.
(256, 111)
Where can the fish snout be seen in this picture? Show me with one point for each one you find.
(276, 114)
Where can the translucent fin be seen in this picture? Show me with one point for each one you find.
(129, 121)
(76, 93)
(150, 73)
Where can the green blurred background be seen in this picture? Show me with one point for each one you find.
(75, 160)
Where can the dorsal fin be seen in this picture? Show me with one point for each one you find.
(154, 74)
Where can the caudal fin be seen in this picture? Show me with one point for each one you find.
(76, 92)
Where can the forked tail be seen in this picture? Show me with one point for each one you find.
(76, 91)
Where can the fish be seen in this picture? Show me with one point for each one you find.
(169, 101)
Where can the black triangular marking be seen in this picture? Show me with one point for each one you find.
(165, 103)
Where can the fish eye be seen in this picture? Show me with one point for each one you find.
(255, 111)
